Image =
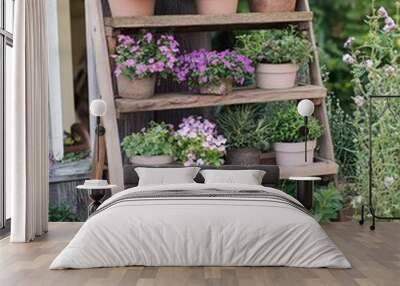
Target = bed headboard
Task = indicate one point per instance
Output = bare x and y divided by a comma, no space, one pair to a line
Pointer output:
271,178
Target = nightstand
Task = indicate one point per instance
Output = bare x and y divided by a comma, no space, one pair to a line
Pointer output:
96,190
305,189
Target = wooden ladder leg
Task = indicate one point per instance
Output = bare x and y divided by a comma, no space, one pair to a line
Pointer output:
104,79
326,143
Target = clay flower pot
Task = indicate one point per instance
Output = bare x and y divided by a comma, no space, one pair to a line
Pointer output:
243,156
292,154
151,160
136,89
222,88
130,8
217,7
264,6
276,76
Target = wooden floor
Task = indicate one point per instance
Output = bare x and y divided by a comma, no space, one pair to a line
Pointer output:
375,257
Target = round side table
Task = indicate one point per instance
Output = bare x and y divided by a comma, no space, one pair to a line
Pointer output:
305,189
96,194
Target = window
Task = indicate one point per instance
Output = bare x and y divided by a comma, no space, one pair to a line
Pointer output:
6,44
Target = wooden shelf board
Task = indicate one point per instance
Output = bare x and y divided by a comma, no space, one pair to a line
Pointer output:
208,22
240,96
319,168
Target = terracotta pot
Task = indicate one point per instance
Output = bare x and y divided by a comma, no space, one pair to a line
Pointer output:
151,160
222,88
129,8
264,6
278,76
217,7
243,156
292,154
136,89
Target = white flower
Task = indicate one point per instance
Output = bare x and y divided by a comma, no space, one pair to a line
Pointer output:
369,64
349,43
389,71
388,182
382,12
348,59
200,162
359,100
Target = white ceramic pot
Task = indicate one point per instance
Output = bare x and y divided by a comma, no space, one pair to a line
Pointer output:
293,154
151,160
136,89
276,76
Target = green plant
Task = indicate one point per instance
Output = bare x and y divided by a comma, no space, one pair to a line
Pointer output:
75,156
242,128
284,126
374,63
153,141
275,46
327,202
62,212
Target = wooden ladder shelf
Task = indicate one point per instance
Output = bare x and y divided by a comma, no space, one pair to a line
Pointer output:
104,31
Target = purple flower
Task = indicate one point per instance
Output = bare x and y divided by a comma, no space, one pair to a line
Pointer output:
148,37
129,63
369,64
348,59
349,43
117,71
359,100
382,12
390,25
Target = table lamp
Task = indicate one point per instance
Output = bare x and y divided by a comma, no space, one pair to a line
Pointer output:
305,108
98,108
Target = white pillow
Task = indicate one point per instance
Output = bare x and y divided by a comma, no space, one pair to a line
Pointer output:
247,177
166,176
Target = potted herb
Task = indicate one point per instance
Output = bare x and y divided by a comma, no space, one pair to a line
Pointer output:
278,54
245,134
140,59
289,145
328,201
197,143
217,7
213,72
272,5
151,146
130,8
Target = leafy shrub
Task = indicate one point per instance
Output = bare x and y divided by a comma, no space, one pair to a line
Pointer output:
285,124
242,128
145,55
374,63
153,141
62,212
327,202
275,46
197,143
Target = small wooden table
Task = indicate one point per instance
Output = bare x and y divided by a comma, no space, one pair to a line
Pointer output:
305,189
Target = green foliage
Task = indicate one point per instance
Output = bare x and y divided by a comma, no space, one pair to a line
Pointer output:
75,156
379,77
284,126
327,202
62,212
153,141
343,133
242,127
276,46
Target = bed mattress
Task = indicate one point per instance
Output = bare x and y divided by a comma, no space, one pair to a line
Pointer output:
201,225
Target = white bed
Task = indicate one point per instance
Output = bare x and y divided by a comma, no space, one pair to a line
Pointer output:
267,229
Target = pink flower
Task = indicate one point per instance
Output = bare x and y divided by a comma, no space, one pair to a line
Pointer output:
348,59
129,63
389,71
359,101
369,64
148,37
390,25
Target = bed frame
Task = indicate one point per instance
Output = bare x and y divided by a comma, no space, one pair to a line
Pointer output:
271,177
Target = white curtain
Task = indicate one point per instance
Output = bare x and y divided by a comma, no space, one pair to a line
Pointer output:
27,123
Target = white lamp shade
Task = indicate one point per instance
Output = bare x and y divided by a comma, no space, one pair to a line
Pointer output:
306,108
98,107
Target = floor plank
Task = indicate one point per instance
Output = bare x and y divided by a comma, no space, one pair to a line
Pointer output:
375,257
